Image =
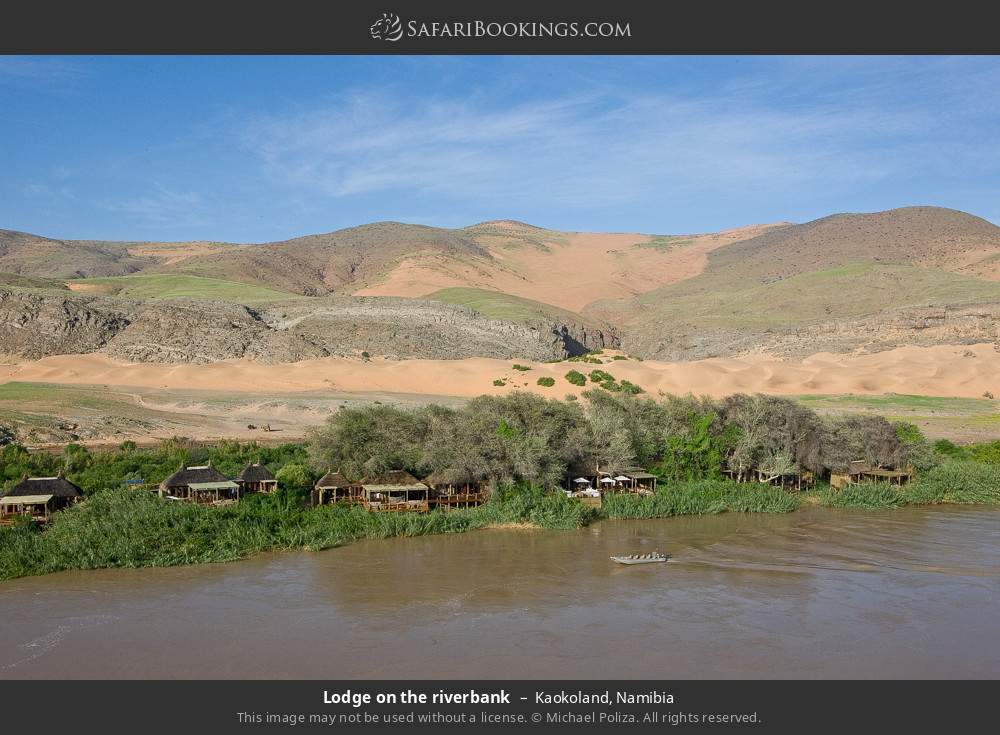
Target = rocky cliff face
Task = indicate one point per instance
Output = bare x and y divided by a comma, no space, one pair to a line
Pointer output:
35,324
921,326
429,329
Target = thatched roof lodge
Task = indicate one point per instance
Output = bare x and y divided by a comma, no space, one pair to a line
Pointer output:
450,488
256,478
395,491
333,487
39,497
200,484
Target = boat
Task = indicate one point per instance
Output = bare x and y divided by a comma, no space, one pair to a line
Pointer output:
656,556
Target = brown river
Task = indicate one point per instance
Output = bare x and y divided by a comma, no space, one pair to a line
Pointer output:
812,594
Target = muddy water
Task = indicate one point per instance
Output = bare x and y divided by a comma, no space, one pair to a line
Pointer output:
817,593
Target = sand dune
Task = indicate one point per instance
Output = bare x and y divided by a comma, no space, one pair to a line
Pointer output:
573,270
960,371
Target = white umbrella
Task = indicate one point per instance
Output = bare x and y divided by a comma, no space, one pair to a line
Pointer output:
622,478
582,479
606,479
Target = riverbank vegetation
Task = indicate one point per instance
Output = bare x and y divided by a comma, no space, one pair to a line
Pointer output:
522,446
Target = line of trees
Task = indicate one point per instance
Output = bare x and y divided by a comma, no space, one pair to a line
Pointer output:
527,438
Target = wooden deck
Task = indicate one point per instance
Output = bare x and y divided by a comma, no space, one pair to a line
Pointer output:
459,500
404,507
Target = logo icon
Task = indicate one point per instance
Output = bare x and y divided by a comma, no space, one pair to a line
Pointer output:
387,28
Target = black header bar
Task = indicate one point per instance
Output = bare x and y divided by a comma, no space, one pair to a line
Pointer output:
510,27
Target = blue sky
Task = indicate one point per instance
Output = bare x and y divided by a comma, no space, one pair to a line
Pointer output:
253,149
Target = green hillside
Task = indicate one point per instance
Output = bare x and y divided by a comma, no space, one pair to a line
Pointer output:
179,286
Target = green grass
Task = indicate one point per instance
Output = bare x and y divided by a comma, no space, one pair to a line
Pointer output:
663,243
16,281
902,402
963,419
700,497
180,286
44,396
134,528
503,306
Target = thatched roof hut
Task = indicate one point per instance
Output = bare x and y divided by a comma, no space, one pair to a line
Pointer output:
333,481
333,487
39,496
256,478
394,490
187,476
203,483
455,488
57,487
392,479
255,472
449,477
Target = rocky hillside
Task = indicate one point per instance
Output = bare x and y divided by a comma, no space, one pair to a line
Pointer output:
921,236
836,284
508,289
330,262
35,324
31,255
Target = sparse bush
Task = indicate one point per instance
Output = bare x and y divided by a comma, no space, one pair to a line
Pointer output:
500,382
600,376
576,378
546,382
522,368
988,452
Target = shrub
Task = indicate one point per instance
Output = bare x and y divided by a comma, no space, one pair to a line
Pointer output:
570,396
294,476
365,356
522,368
631,388
988,452
500,381
947,448
600,376
619,357
576,378
546,382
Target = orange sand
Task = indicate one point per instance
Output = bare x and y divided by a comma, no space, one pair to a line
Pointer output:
574,271
936,371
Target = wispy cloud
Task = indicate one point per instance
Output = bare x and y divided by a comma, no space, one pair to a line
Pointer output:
161,205
591,150
40,70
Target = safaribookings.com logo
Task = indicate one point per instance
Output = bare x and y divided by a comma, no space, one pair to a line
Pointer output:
387,28
390,28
